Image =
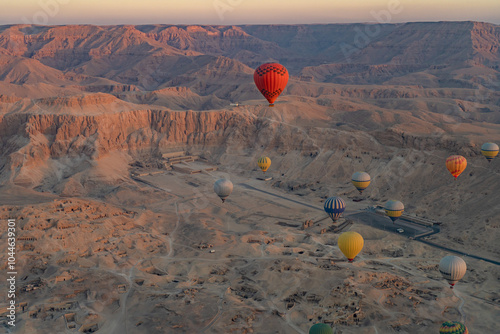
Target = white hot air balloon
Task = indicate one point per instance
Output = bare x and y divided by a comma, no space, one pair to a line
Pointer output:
223,188
452,268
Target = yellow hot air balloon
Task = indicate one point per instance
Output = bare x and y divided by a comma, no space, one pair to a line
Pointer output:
456,165
489,150
350,244
264,163
361,180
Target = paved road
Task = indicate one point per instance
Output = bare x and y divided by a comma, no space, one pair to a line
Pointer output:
137,179
279,196
451,250
384,223
411,229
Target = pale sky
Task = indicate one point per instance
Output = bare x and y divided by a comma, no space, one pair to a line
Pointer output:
226,12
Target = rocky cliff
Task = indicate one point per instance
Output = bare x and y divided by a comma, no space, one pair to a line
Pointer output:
85,91
31,141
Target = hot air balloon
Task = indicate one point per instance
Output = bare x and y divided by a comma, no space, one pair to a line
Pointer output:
394,209
456,165
489,150
271,80
334,206
453,327
223,188
452,268
264,163
361,181
320,329
350,244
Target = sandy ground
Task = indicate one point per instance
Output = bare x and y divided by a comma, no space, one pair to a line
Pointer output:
140,260
101,251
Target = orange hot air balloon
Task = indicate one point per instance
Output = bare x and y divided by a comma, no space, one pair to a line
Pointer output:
456,165
271,80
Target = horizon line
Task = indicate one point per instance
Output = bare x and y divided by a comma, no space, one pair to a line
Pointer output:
243,24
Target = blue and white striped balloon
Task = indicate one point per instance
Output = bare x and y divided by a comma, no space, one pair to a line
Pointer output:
334,206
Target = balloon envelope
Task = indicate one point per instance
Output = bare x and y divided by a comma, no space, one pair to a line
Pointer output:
264,163
453,327
361,180
271,80
489,150
456,165
350,244
223,188
334,206
394,209
320,329
452,268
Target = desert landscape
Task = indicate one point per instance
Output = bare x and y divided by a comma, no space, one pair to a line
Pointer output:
112,138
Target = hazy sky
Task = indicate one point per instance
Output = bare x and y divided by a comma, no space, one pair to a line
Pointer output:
244,11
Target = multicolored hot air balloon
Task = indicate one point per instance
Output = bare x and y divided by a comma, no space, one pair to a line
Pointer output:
456,165
394,209
453,327
452,268
271,80
361,180
320,329
264,163
489,150
334,206
350,244
223,188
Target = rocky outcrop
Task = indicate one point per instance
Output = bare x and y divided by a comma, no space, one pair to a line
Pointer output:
74,134
435,142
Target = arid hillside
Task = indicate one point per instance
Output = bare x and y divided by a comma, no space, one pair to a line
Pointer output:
111,138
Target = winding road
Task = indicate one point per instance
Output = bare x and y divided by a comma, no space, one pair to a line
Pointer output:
412,229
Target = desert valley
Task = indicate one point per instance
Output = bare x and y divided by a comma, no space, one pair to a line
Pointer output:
112,137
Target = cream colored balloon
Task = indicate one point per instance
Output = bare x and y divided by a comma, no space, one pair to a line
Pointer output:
394,209
452,268
361,180
223,188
